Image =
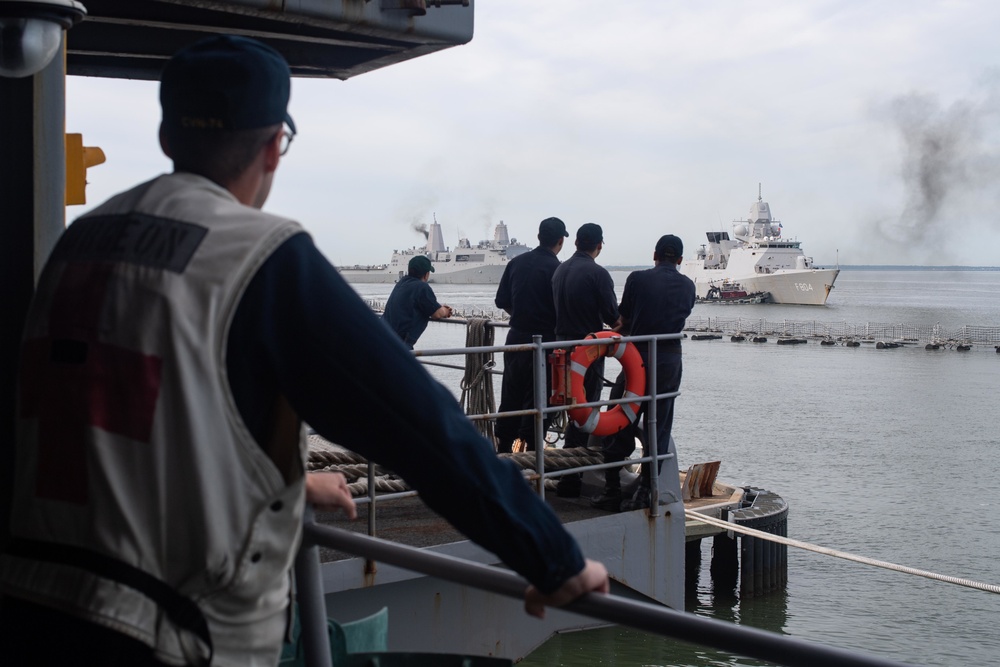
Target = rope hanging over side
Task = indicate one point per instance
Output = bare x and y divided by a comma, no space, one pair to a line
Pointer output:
735,527
477,383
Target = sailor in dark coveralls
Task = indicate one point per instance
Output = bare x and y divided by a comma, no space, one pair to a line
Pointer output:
412,302
525,291
655,301
585,301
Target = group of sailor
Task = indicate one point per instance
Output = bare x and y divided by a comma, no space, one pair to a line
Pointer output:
568,301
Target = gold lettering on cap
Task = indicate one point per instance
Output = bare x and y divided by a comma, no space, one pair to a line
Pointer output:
202,123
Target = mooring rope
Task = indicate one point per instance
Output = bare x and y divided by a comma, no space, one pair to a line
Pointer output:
735,527
477,385
323,458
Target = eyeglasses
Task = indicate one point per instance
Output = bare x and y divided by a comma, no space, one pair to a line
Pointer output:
286,140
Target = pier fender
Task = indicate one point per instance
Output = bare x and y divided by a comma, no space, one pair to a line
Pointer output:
592,420
763,564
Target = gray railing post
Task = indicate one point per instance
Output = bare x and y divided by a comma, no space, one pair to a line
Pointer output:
312,608
371,498
652,446
541,400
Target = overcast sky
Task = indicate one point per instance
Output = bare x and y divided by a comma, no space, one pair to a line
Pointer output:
873,127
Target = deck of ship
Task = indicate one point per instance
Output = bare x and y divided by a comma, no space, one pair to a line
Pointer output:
645,556
410,522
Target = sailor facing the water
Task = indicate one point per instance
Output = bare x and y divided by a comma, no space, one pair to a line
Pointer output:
525,292
655,301
412,302
584,296
161,477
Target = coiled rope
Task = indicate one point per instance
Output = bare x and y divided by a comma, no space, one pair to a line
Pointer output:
324,457
735,527
477,384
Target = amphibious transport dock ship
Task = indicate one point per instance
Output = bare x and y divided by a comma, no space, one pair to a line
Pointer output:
482,264
760,260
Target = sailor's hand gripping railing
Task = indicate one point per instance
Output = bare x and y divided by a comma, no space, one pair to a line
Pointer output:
774,648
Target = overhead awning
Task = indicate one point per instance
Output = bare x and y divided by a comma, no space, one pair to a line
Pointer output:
319,38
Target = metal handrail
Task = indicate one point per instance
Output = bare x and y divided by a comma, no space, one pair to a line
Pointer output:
541,409
750,642
647,617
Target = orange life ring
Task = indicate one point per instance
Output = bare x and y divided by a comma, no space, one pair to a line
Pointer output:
592,420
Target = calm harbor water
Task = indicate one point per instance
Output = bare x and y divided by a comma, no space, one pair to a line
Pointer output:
890,454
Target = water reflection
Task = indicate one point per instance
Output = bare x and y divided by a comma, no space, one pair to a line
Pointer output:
716,597
888,454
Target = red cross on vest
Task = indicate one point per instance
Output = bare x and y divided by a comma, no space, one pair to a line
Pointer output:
72,382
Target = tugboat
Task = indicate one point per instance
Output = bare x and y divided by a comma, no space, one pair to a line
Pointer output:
760,260
731,292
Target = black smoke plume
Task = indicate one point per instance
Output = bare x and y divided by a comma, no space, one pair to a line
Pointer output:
950,163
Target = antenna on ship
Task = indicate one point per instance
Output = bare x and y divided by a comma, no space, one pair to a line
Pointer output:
760,196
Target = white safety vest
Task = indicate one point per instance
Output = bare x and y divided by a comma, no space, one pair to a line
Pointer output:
129,440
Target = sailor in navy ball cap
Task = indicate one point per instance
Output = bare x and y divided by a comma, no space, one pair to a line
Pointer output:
412,302
655,301
551,230
525,291
669,247
223,99
589,235
584,296
216,330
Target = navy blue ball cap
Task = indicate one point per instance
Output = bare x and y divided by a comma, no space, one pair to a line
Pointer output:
226,82
552,229
669,246
421,263
590,234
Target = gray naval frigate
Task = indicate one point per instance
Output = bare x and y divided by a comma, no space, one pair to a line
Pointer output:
761,261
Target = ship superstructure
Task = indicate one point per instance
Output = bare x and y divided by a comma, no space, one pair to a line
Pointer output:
760,259
480,264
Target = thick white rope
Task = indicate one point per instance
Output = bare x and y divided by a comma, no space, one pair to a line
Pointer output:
697,516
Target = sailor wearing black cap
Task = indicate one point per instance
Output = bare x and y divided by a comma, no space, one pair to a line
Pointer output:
412,302
525,291
584,295
178,339
655,301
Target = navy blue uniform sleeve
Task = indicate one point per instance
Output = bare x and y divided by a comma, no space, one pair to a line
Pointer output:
503,298
625,308
301,330
427,303
609,302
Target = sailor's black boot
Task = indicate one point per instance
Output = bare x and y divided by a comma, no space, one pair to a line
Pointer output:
569,486
611,499
639,499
